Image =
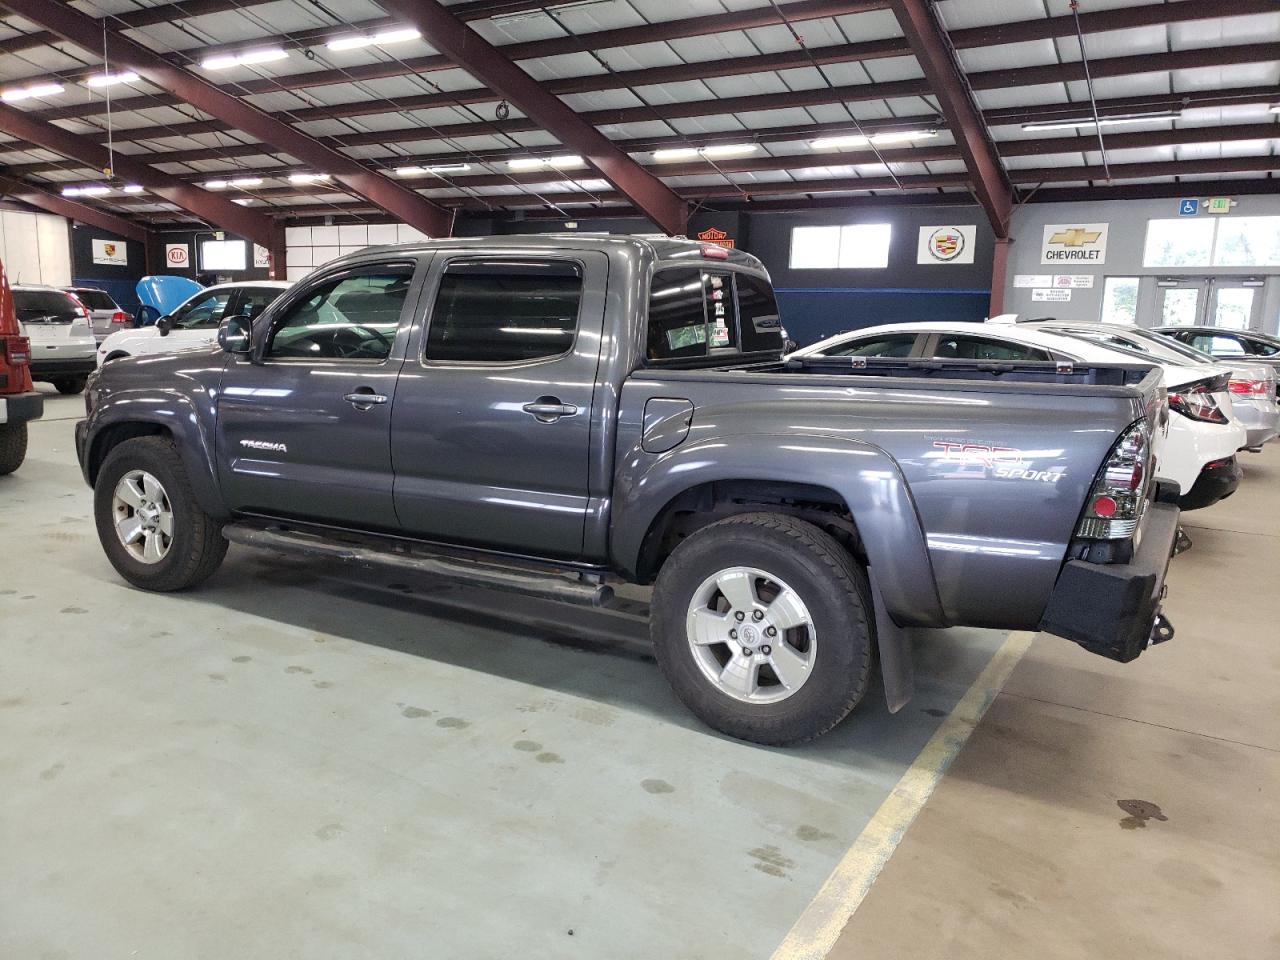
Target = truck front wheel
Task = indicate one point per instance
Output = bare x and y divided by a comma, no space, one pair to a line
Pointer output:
149,522
13,446
761,624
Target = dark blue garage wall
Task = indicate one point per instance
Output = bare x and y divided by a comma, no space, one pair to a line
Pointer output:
118,281
819,303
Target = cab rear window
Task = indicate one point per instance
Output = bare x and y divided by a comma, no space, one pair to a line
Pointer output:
706,312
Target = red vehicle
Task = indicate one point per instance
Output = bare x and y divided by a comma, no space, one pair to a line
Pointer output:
19,401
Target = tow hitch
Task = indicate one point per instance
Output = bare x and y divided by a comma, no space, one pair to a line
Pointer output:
1161,630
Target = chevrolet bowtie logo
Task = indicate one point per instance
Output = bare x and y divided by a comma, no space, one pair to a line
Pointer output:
1075,237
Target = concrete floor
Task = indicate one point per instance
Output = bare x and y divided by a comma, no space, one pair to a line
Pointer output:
300,761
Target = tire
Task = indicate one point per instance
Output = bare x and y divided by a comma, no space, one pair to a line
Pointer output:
194,548
13,446
70,385
834,593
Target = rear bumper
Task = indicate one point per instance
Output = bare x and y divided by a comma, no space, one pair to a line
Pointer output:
1217,481
1113,609
1257,436
63,367
21,407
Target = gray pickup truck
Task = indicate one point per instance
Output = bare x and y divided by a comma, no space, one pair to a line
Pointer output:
551,414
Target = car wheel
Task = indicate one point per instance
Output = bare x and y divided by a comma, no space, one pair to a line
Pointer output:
761,623
149,522
118,355
70,385
13,446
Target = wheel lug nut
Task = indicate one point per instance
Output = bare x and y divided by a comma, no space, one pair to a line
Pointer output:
770,631
733,634
739,616
766,649
746,651
757,615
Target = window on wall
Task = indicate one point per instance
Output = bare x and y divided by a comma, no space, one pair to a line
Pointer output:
1120,300
1248,242
856,246
1180,242
1217,242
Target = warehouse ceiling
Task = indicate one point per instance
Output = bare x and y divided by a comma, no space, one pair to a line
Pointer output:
725,102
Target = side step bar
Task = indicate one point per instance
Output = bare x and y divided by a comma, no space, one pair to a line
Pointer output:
559,586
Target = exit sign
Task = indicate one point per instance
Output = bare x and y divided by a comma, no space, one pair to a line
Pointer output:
1219,204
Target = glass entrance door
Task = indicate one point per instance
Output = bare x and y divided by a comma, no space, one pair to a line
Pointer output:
1208,302
1233,306
1182,302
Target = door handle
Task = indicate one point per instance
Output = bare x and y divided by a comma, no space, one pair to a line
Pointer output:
364,398
549,409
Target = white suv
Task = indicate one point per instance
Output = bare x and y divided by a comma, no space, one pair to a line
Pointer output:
62,341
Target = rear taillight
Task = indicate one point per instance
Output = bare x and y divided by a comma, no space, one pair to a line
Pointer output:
1119,495
17,351
1250,388
1196,401
119,317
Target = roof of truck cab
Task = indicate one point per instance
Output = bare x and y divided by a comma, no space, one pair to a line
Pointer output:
663,247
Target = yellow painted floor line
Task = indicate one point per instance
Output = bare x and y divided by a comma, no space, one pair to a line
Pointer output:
815,933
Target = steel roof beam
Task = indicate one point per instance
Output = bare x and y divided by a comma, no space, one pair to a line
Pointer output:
126,54
489,65
214,208
31,195
990,185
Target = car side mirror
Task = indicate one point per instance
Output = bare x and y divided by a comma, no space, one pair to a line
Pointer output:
164,325
234,334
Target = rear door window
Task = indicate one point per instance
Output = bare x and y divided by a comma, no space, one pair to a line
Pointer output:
95,299
677,315
964,347
1218,345
505,311
892,345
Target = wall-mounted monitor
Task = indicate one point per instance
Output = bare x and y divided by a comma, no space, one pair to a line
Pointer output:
222,256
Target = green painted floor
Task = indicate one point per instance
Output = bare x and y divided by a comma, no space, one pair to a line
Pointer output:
293,761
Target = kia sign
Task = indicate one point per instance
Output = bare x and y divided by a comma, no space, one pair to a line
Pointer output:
177,256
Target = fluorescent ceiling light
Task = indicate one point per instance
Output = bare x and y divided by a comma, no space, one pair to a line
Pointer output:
110,79
224,60
438,168
133,188
862,140
215,184
1276,108
89,191
377,39
243,201
307,177
245,182
716,150
1071,124
533,163
15,94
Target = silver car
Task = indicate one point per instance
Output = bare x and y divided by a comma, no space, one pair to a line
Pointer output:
105,314
1253,383
1228,346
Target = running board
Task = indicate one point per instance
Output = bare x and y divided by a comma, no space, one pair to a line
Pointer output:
562,587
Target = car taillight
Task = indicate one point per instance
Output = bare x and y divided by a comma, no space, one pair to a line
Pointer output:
1119,495
1196,401
1250,388
17,351
119,317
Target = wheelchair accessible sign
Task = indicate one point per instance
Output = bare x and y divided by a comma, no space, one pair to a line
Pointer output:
1188,208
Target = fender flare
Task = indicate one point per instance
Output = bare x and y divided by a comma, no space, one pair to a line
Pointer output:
866,478
177,416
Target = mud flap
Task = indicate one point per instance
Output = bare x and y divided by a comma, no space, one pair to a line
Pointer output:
894,645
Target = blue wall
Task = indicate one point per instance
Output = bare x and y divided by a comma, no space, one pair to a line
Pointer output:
811,314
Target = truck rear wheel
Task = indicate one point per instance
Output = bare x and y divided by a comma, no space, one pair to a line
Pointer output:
761,624
149,522
13,446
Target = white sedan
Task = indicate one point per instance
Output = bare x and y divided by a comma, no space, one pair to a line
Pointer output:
1204,437
194,324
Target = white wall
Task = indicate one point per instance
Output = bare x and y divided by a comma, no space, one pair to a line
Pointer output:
1126,241
35,247
309,247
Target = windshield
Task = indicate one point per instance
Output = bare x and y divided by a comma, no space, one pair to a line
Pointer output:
203,310
94,299
37,306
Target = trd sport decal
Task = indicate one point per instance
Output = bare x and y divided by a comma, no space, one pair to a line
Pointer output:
1006,463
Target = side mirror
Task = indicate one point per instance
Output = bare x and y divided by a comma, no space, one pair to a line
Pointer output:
164,325
234,334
